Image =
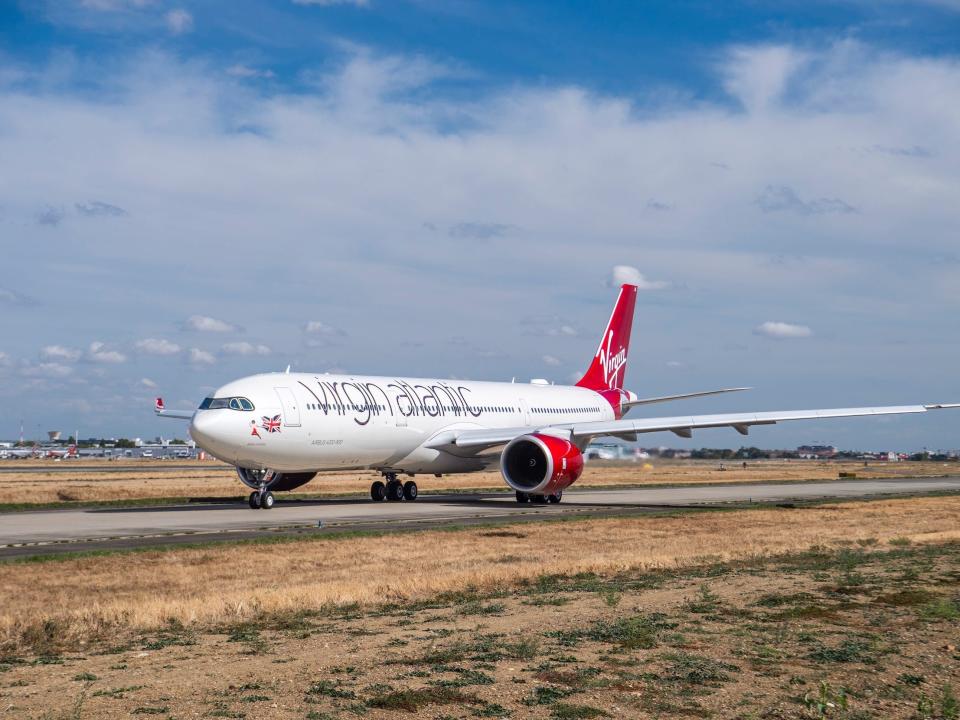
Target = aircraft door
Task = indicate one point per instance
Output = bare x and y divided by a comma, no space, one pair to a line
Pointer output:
525,411
291,408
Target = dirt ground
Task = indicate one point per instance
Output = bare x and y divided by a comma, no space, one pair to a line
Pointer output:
151,479
861,632
849,611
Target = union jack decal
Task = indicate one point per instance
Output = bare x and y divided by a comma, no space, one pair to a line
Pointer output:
271,425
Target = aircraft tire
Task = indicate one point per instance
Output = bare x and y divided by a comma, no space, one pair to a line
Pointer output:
555,498
394,491
266,500
254,500
378,491
522,497
410,490
538,499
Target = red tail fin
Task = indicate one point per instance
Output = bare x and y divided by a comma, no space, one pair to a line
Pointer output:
609,365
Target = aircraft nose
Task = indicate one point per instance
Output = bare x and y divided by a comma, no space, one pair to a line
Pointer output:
208,430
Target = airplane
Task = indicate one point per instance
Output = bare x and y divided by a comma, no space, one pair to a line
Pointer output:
59,453
280,429
22,453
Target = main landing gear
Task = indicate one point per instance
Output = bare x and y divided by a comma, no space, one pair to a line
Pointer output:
553,499
393,490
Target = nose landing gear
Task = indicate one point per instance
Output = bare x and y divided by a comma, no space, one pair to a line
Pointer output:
261,500
393,490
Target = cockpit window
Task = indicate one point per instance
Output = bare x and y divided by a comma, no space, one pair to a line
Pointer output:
234,403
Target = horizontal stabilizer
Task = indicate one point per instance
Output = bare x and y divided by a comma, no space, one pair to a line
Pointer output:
667,398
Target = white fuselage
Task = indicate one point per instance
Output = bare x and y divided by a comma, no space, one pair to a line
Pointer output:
305,422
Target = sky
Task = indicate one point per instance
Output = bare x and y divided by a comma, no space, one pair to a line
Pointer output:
191,192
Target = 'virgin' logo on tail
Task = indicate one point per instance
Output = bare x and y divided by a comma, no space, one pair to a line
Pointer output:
611,364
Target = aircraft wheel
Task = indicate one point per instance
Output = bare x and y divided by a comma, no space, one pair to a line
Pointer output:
410,490
378,491
539,499
394,491
266,500
254,500
555,498
522,497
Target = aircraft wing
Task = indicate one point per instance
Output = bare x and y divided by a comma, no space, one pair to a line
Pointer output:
683,425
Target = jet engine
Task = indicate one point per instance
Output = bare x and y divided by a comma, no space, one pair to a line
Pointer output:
539,464
273,481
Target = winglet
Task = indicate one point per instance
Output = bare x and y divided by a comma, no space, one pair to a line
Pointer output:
158,406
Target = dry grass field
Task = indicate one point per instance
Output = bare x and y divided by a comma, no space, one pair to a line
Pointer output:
839,611
62,603
150,479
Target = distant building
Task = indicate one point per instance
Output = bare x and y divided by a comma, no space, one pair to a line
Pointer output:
816,452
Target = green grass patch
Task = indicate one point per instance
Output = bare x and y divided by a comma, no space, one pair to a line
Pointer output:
941,609
414,700
327,688
565,711
638,632
690,669
848,651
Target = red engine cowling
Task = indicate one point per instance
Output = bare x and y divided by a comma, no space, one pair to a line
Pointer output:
540,464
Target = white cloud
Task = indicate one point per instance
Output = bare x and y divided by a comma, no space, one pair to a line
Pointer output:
58,353
551,360
114,5
98,353
202,323
317,327
148,383
157,346
245,348
179,21
245,71
630,275
329,3
4,360
758,76
201,357
46,370
782,330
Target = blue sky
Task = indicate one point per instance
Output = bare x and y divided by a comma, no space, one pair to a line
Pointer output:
191,192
